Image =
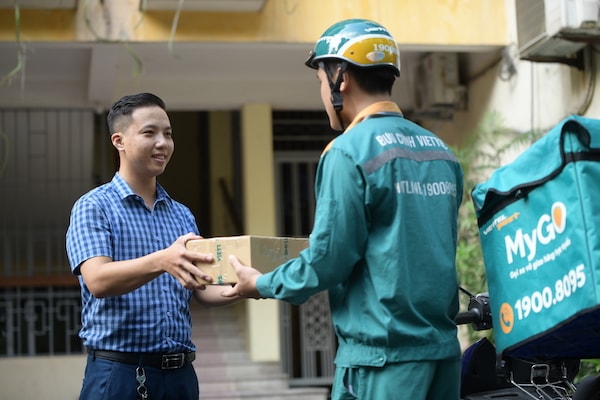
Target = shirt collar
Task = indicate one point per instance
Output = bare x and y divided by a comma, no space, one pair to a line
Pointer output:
125,190
378,107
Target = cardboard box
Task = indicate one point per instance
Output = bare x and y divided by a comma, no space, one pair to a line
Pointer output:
261,252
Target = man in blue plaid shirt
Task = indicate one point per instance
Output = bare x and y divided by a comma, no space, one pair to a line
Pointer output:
126,243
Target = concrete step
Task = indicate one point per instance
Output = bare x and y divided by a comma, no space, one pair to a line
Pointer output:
272,384
248,370
224,369
289,394
217,357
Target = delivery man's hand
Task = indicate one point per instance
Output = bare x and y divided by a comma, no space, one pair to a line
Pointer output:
246,286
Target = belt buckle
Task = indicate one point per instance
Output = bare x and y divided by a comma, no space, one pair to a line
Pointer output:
173,361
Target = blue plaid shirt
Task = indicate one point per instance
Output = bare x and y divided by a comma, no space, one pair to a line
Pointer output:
113,221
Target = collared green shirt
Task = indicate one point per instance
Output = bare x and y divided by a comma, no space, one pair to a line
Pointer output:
383,242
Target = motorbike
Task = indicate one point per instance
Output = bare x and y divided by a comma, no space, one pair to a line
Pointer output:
487,375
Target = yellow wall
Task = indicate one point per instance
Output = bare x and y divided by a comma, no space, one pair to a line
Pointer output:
262,323
411,22
41,377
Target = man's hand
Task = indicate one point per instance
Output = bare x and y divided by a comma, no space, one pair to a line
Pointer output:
179,262
246,286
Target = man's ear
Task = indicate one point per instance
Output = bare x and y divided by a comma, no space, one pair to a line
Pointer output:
117,140
345,84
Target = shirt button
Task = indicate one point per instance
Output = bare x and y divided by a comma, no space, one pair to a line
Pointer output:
168,313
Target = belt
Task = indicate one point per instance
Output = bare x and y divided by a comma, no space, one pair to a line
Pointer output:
157,360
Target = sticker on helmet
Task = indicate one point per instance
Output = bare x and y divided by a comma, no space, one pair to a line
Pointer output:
375,56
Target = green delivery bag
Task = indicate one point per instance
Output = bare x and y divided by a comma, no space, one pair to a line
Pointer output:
539,224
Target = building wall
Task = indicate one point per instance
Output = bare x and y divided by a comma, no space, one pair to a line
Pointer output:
536,97
51,378
412,22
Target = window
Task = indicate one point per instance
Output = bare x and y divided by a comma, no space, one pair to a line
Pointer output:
46,163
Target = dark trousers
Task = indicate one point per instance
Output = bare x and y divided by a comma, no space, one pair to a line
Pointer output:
110,380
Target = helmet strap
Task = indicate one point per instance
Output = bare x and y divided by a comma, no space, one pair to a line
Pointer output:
336,96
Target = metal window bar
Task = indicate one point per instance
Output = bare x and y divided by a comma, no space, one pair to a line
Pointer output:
39,321
308,340
49,164
46,160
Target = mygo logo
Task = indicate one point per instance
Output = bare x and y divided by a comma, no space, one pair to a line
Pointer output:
524,244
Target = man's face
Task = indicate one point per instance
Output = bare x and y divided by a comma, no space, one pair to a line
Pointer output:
145,142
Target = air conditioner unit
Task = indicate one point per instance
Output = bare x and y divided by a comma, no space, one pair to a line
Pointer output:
437,90
550,30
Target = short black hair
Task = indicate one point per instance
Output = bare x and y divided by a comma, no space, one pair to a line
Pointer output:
125,106
373,80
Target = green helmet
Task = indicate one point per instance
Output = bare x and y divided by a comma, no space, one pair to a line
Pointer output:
360,42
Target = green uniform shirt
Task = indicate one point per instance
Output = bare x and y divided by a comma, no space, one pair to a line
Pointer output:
383,242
